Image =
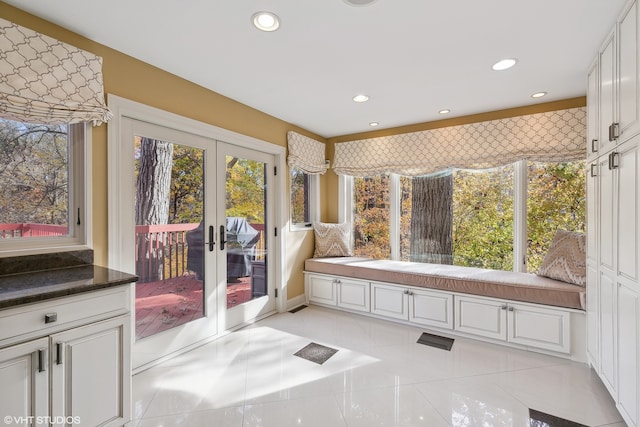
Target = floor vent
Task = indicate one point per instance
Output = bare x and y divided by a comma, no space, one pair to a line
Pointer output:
437,341
316,353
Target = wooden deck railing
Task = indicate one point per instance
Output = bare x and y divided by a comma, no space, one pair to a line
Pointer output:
162,250
28,229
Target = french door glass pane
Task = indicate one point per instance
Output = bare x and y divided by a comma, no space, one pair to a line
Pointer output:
246,242
169,235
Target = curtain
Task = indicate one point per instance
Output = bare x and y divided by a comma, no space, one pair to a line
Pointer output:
546,137
46,81
306,154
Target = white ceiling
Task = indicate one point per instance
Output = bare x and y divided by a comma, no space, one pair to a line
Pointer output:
412,57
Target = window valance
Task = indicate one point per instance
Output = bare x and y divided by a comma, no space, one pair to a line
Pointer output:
546,137
306,154
43,80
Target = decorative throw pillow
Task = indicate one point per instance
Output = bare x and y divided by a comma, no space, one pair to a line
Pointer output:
566,258
332,239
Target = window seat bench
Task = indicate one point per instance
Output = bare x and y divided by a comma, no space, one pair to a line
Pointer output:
516,309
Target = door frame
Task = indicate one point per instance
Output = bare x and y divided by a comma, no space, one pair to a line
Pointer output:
124,108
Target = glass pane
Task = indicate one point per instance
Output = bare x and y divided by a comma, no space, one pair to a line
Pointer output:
34,180
300,197
556,199
371,217
169,235
483,218
460,217
246,246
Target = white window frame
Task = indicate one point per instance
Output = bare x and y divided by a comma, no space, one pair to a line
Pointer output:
80,185
314,204
345,206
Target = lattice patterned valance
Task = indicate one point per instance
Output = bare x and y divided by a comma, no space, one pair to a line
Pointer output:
546,137
306,154
43,80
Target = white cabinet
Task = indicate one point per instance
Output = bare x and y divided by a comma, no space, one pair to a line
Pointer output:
420,306
89,379
321,289
346,293
613,215
593,89
25,381
78,368
353,294
517,323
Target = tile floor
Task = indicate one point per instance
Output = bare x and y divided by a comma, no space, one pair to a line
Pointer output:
380,376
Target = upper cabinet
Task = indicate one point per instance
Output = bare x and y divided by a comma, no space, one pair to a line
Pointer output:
614,87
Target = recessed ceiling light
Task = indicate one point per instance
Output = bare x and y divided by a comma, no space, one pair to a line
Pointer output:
538,94
265,21
445,111
504,64
360,98
374,124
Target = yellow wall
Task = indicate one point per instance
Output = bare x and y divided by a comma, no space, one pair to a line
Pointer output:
135,80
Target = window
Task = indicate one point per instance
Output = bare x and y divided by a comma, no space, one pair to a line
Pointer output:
371,211
469,218
41,186
304,190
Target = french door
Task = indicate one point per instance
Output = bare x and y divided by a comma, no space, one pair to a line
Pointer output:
245,179
196,231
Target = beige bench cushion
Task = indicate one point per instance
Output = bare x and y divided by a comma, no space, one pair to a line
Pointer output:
523,287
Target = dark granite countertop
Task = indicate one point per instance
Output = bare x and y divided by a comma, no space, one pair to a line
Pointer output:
29,286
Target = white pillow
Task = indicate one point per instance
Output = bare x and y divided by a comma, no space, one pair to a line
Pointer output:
566,258
332,240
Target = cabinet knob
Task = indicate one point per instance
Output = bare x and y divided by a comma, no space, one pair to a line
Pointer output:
511,309
594,168
594,148
50,317
504,307
406,292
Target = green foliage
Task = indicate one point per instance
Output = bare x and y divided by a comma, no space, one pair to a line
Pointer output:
299,187
187,185
246,188
483,218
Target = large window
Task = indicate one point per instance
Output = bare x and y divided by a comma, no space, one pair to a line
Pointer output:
469,218
41,186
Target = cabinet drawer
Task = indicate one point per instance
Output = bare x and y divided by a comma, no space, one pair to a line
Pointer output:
28,321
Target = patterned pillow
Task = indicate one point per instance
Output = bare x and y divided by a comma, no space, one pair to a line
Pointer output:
332,239
566,258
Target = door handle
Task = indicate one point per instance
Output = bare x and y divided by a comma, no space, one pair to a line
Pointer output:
211,239
223,235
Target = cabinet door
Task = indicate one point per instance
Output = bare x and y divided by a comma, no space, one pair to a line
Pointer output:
91,373
593,320
628,349
606,213
353,294
628,170
593,88
539,327
321,289
607,76
389,301
628,85
608,331
431,308
481,316
24,379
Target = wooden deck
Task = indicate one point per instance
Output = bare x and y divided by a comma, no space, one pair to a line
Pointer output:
166,304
